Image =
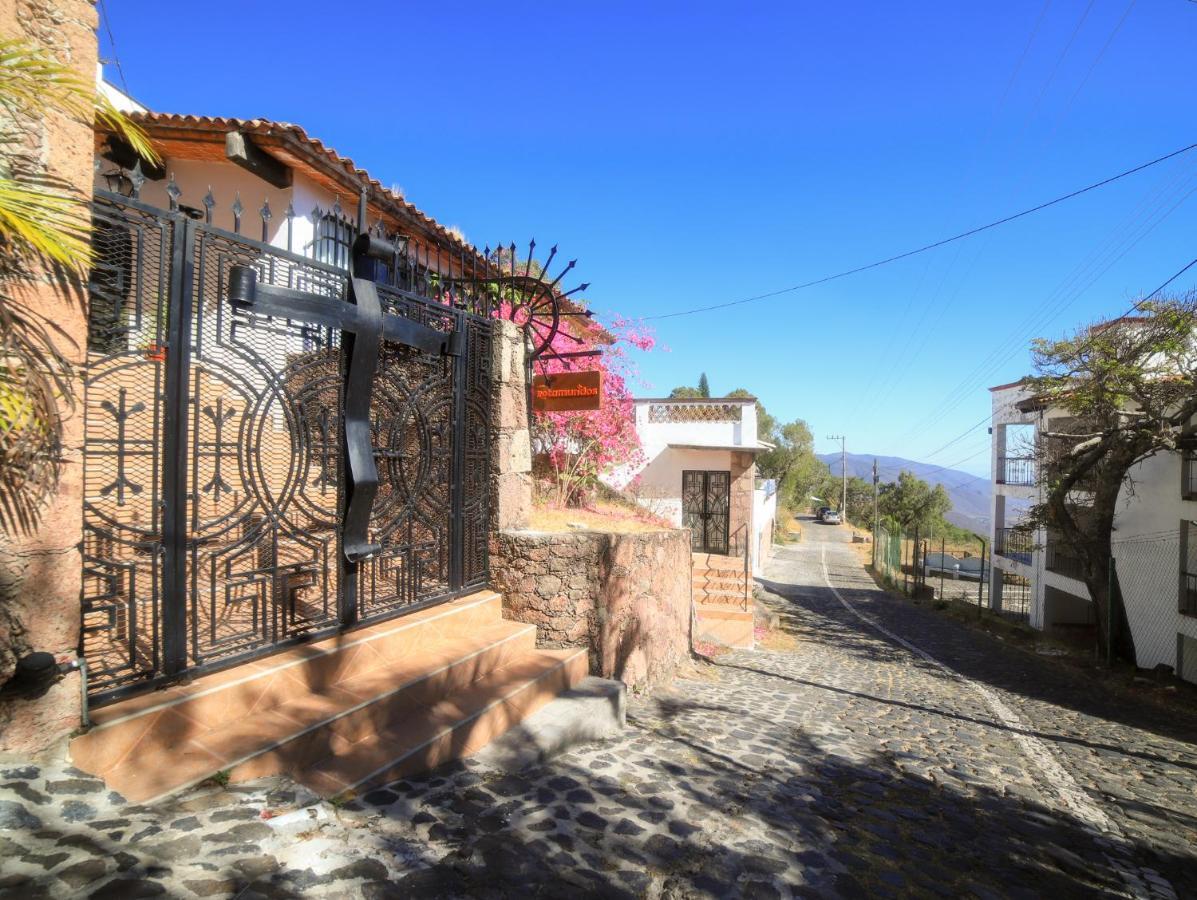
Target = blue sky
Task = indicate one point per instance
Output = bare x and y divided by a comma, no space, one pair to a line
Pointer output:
690,154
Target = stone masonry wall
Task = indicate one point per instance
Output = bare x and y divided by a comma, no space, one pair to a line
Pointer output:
40,569
625,597
743,483
511,445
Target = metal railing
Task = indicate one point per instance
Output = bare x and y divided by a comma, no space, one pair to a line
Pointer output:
1188,595
1062,562
1014,543
1016,470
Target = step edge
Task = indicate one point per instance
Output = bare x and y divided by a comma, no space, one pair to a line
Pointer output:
167,704
308,729
560,664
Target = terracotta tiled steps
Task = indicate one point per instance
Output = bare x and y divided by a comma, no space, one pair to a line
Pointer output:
455,726
720,581
297,710
729,627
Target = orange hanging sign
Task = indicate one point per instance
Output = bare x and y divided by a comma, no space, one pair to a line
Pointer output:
567,392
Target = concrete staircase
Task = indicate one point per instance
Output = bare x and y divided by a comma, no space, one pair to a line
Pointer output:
723,600
341,714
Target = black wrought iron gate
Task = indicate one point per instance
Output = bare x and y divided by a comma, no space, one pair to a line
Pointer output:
706,510
218,499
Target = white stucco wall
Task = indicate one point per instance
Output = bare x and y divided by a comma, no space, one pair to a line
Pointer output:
764,512
229,181
659,485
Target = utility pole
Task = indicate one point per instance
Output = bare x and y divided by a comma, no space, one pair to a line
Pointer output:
876,520
844,464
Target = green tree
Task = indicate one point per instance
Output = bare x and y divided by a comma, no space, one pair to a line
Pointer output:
1127,390
704,386
860,502
912,503
684,392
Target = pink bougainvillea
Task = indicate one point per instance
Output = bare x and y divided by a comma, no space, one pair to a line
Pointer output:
579,447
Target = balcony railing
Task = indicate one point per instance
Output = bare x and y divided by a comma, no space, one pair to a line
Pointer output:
1014,543
1062,562
1188,595
1018,470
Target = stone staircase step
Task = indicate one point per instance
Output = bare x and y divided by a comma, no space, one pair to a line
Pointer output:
729,627
287,711
457,725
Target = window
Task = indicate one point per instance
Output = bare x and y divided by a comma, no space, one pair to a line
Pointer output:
1188,460
334,237
1188,568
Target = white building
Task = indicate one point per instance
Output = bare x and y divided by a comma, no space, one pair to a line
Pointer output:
1154,541
699,471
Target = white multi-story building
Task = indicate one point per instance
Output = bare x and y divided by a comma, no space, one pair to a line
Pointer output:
1154,541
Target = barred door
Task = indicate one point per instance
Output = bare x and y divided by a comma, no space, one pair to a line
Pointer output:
214,462
706,507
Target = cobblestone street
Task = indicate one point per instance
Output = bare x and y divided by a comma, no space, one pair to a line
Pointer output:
877,750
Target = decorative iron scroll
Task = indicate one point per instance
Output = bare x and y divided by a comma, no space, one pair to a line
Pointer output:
534,301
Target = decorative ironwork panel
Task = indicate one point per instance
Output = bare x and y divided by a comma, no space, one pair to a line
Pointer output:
122,460
693,497
718,510
663,413
475,435
706,508
413,426
263,451
215,464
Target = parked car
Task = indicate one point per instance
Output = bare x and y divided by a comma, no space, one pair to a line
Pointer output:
821,512
831,517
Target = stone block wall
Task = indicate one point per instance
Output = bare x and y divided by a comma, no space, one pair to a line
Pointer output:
625,597
511,444
739,519
40,567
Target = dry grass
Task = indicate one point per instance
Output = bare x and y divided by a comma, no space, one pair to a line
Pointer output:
602,516
779,640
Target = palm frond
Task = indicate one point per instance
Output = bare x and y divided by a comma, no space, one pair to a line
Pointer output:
43,222
32,81
107,114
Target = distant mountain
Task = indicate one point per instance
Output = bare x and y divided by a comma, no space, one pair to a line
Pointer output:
970,495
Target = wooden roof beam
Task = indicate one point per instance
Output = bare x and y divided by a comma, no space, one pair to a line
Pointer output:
241,149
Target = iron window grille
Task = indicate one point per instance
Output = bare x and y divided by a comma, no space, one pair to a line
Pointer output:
334,237
1189,474
1063,562
1188,571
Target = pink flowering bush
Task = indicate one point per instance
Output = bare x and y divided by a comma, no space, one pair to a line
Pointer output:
578,447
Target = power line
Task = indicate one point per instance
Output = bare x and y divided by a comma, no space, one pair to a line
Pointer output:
1060,299
893,381
965,187
112,43
932,246
962,436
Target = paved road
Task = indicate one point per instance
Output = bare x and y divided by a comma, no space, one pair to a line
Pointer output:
844,761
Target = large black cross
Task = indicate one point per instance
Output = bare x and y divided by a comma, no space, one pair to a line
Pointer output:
365,327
